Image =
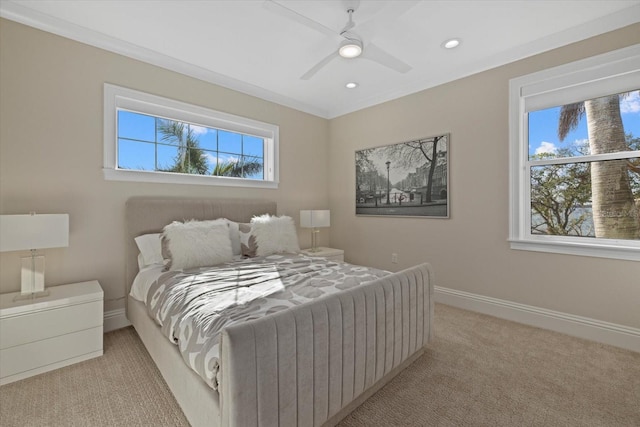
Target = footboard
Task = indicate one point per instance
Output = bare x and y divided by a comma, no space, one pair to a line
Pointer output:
303,366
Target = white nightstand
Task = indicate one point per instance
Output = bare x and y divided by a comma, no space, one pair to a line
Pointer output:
46,333
329,253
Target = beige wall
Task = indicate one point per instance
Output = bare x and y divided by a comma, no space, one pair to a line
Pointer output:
51,94
51,160
469,251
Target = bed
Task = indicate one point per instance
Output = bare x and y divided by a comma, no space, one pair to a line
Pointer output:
309,365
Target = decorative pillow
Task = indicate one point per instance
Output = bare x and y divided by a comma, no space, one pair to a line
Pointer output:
234,234
196,244
274,234
248,244
164,241
150,248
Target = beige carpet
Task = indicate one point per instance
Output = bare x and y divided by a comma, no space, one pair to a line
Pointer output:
479,371
121,388
484,371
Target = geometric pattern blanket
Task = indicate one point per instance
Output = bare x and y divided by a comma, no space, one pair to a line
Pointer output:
193,306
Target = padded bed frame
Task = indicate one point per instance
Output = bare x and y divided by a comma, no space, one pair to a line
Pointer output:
347,345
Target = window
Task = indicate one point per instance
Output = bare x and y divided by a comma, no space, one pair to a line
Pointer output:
575,158
153,139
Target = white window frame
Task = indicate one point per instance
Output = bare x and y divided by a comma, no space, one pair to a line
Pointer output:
117,98
613,72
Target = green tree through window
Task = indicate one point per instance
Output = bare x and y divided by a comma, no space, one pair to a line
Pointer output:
613,206
574,158
190,158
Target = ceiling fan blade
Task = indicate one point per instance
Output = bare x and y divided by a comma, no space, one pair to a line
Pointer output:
318,66
295,16
374,53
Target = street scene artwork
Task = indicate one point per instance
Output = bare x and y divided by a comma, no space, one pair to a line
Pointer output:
406,179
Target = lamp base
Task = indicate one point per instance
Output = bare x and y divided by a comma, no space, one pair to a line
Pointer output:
32,274
34,295
314,240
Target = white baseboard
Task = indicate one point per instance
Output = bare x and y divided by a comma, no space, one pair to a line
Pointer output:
582,327
115,319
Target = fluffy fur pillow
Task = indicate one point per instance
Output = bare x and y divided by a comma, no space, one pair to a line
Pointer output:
272,235
196,244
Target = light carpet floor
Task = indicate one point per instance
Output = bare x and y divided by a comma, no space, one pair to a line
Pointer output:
478,371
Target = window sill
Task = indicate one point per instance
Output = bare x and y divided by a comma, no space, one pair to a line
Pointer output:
177,178
628,253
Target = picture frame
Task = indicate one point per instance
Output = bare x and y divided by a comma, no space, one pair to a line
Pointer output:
403,179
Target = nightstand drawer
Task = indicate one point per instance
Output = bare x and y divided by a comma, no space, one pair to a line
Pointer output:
39,334
70,347
35,326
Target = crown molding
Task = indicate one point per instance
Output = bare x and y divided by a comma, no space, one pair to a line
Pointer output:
614,21
27,16
11,10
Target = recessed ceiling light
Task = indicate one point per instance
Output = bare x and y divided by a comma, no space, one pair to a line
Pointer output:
351,85
451,43
350,48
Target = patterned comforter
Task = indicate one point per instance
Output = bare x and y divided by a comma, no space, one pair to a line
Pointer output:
193,306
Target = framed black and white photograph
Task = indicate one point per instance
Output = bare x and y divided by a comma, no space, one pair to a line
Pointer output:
405,179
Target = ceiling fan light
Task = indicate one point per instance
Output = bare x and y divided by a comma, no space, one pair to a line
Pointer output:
350,48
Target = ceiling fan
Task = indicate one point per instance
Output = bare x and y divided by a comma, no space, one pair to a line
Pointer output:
351,44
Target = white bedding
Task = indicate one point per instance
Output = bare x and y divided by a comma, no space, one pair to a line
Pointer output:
193,306
145,277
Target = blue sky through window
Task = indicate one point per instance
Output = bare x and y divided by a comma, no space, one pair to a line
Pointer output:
543,126
141,147
552,181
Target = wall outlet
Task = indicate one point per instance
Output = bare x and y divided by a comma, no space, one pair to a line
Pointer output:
394,258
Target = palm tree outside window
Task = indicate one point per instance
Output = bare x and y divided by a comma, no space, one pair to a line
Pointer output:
574,157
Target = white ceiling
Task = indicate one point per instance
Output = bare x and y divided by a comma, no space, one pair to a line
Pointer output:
246,46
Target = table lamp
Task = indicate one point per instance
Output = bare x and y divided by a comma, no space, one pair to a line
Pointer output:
32,232
315,219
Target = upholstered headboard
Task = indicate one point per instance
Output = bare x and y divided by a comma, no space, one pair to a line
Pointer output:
150,214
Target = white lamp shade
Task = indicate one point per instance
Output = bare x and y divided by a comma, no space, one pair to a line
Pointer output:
25,232
315,219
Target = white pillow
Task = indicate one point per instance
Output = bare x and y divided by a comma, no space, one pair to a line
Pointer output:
274,234
234,234
141,263
143,281
197,243
150,248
